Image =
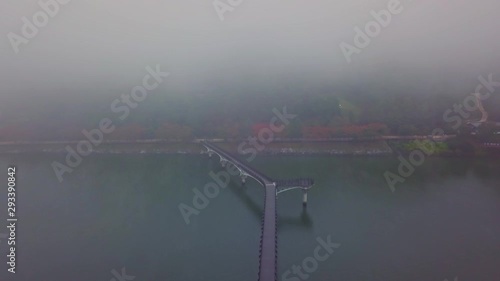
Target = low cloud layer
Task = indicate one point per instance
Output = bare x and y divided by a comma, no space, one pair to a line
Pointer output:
99,48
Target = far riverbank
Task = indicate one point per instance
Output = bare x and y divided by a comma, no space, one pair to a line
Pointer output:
376,146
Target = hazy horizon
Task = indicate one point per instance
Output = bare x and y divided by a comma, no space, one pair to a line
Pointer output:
97,48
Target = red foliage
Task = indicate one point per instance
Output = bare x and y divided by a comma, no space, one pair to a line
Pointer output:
256,128
15,133
127,132
348,130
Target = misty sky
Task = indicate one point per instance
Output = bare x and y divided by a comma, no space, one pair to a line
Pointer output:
102,47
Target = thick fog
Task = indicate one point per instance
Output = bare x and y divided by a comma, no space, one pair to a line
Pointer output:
102,47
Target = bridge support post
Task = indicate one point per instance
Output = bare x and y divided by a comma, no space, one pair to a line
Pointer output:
223,163
304,199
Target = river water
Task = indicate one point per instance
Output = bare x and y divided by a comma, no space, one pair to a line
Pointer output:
121,212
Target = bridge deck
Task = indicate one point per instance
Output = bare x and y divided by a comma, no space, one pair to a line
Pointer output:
263,179
268,270
305,183
268,258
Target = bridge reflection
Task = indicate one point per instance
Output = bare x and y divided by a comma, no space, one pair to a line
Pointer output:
269,239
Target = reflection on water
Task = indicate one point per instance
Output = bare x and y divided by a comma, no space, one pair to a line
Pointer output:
122,211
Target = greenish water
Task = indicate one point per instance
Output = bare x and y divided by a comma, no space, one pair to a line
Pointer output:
121,211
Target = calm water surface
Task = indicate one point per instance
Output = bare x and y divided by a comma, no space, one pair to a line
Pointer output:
121,211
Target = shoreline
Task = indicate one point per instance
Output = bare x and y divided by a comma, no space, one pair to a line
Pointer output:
178,147
376,146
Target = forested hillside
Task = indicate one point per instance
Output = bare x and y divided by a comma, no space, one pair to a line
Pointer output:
360,110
